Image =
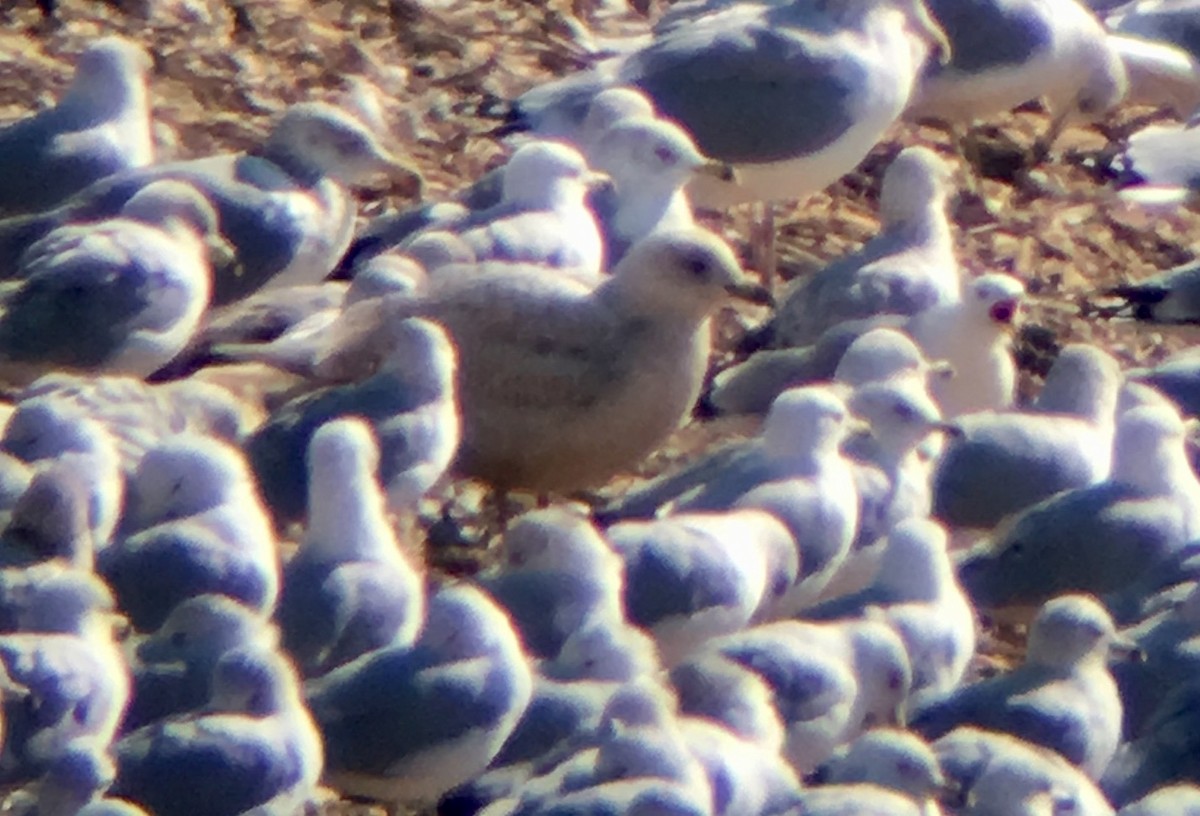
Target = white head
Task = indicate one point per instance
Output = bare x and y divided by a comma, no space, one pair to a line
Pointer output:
255,682
172,202
900,411
462,623
109,76
187,475
1069,631
996,298
541,174
347,518
201,629
1084,381
883,670
322,140
915,565
809,421
609,651
891,758
645,151
558,539
915,186
878,355
609,107
45,428
1149,449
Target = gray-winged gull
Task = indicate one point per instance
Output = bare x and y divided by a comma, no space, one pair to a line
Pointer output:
1165,751
793,95
410,402
563,386
1159,168
349,588
1159,73
743,777
119,296
194,524
436,712
1178,377
284,208
1099,538
100,126
41,430
252,749
909,266
173,666
967,752
693,576
1007,52
1174,21
559,575
1172,296
65,678
1062,696
917,594
830,680
1005,461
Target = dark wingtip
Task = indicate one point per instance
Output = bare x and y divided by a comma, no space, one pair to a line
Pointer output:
1134,293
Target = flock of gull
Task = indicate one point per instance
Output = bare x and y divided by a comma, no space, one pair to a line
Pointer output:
211,605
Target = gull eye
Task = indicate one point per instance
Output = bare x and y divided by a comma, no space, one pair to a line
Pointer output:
665,155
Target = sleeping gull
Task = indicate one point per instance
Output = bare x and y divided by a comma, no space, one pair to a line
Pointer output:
563,386
173,666
194,524
1177,377
693,576
967,753
284,208
100,126
41,430
1165,750
890,758
1062,696
1099,538
437,712
132,289
50,521
410,402
908,267
721,690
254,745
65,677
348,589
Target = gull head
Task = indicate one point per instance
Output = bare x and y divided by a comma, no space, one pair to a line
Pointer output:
900,412
878,355
1071,630
608,107
203,628
640,150
806,421
256,682
916,182
686,272
185,476
171,202
997,297
542,173
328,141
109,75
891,758
346,450
462,623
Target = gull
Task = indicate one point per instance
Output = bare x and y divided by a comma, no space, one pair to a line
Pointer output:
100,126
436,712
1004,461
1004,54
1178,798
1162,753
40,431
967,753
562,386
50,521
693,576
410,402
1178,377
908,267
1172,296
64,675
890,758
348,589
1158,169
173,666
916,593
194,524
713,687
253,748
1061,697
1097,538
132,289
284,208
792,95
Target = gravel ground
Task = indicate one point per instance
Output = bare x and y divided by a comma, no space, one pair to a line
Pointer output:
223,70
